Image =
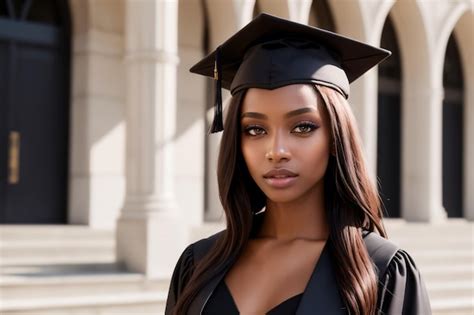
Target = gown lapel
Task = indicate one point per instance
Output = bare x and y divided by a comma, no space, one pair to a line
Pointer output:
321,295
197,305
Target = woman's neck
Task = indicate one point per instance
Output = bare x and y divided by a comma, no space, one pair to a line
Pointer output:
304,218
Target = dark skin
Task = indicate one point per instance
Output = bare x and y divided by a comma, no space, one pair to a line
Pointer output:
277,264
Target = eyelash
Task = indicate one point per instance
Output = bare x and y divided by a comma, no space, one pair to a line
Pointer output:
251,127
305,124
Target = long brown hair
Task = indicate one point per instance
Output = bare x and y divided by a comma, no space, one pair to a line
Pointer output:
352,203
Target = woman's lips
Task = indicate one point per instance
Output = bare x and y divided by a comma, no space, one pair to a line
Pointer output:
280,177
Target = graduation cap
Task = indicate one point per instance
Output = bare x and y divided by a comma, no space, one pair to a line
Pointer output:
271,52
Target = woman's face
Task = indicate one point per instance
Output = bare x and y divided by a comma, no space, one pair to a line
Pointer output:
285,131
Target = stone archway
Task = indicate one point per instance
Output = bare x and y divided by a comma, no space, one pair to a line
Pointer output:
364,21
421,122
298,11
321,16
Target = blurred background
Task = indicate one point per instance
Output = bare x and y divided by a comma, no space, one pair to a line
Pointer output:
107,171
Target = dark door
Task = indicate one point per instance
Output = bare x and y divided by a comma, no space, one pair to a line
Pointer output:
34,111
453,128
388,152
389,120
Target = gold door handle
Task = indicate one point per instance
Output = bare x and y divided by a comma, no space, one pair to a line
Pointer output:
14,158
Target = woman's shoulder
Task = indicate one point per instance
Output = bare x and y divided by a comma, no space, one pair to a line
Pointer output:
388,256
185,267
381,250
196,250
401,285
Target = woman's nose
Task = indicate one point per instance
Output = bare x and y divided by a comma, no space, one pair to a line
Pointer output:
277,148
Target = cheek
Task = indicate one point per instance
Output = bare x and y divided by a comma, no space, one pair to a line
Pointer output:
315,157
251,154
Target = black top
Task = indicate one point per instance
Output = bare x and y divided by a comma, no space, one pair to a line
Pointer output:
401,286
222,302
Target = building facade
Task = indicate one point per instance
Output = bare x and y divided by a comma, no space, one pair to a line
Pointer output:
102,124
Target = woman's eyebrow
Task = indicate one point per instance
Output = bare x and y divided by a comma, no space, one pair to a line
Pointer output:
295,112
299,111
254,115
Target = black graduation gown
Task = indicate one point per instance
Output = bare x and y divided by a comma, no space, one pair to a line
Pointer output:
401,288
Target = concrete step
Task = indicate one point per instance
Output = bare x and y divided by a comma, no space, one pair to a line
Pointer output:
397,223
108,304
55,244
72,269
432,274
450,289
59,259
79,289
452,306
40,247
434,241
453,312
73,280
20,232
424,235
442,257
424,232
48,243
435,244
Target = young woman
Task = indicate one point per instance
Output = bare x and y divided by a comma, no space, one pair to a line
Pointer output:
304,224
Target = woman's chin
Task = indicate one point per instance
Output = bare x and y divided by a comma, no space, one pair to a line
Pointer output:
281,196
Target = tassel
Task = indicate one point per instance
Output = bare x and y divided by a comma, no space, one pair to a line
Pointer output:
217,124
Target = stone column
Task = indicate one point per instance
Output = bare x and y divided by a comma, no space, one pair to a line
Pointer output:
149,231
422,109
466,49
225,18
97,114
297,11
421,158
190,122
351,21
469,142
363,101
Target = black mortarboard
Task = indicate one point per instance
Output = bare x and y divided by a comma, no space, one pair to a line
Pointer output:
272,52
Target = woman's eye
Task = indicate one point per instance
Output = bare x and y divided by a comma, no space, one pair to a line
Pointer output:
305,127
254,130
